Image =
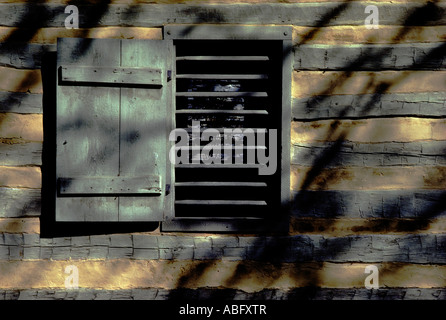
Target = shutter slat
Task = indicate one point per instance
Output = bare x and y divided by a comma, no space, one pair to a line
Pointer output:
219,166
219,111
223,147
217,218
222,202
222,58
222,94
222,130
220,184
110,185
111,75
223,76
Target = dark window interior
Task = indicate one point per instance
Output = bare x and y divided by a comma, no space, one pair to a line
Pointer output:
228,84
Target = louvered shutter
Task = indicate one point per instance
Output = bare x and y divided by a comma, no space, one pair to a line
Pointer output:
231,77
223,85
114,100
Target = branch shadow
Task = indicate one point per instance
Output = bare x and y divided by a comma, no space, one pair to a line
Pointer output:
275,250
268,249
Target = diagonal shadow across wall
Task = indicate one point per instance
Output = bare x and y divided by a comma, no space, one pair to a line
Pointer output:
270,249
276,250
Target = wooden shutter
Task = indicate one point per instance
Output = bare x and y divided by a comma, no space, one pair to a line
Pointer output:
226,85
114,116
229,77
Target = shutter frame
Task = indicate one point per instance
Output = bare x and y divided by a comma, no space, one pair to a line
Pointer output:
113,133
279,221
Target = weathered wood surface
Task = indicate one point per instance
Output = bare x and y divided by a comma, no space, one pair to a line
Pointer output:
20,177
371,130
18,202
110,185
48,36
20,80
25,127
153,15
304,293
345,154
87,131
336,106
113,131
214,32
317,177
128,76
368,248
314,83
369,204
370,105
418,56
146,121
423,204
341,227
23,55
386,34
20,154
335,35
20,102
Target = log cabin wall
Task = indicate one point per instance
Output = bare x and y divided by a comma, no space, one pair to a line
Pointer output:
368,160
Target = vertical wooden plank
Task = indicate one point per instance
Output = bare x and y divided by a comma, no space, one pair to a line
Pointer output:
169,206
287,63
87,129
144,128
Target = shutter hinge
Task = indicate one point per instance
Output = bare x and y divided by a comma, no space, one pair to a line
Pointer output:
169,75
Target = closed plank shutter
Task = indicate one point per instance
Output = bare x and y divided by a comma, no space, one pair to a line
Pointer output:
114,116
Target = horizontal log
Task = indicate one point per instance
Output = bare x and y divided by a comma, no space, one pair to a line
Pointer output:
370,105
313,83
18,202
422,204
19,80
20,102
302,293
335,35
50,35
369,130
20,177
246,276
415,247
342,227
20,154
305,83
197,1
150,15
386,34
415,56
27,127
344,154
368,178
23,55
